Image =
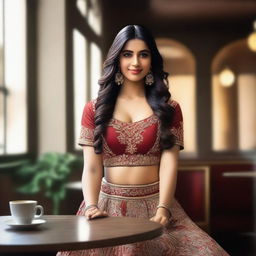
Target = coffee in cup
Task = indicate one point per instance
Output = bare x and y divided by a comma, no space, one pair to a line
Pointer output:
24,211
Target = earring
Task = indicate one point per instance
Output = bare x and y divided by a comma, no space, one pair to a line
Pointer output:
119,78
149,80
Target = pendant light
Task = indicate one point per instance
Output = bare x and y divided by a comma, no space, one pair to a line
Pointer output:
227,77
252,38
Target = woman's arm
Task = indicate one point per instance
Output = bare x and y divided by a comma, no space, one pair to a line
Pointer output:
91,181
168,179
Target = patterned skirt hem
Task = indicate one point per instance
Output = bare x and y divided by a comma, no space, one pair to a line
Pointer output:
181,237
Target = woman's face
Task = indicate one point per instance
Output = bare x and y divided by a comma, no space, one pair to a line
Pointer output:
135,60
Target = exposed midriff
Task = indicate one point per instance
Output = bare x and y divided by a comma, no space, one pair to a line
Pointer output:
132,174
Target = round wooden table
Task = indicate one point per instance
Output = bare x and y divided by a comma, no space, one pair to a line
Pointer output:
70,232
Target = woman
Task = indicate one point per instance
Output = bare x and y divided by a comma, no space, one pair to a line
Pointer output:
135,131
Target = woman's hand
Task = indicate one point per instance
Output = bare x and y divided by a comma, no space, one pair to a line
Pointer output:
94,212
162,217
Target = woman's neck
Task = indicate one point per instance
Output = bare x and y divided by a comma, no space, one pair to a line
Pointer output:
132,90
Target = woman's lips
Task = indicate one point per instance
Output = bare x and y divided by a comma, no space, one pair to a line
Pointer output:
135,71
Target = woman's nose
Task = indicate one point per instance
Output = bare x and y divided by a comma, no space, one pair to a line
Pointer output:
135,61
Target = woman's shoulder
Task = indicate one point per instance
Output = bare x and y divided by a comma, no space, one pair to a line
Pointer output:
173,103
176,106
90,105
178,117
88,114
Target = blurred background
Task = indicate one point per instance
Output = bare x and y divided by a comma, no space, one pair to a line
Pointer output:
51,55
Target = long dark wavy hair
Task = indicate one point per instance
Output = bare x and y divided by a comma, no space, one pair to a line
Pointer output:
157,94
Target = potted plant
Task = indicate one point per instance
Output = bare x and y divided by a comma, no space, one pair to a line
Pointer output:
49,174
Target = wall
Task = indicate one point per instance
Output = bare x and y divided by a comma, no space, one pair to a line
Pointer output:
51,76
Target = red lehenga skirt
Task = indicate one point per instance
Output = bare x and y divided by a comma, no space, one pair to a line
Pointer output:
182,237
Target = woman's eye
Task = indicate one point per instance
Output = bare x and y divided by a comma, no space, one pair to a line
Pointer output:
144,55
127,54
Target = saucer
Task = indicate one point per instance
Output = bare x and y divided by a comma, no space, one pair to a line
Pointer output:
35,223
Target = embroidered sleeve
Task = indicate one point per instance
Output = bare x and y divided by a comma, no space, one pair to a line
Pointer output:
177,125
87,125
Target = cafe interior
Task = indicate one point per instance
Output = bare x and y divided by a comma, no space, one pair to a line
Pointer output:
50,62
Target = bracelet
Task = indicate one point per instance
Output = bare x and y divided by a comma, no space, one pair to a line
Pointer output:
91,206
166,208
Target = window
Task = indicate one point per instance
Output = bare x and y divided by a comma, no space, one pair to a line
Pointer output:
90,10
13,80
95,69
79,78
85,31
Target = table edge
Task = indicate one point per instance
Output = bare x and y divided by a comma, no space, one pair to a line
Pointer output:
81,245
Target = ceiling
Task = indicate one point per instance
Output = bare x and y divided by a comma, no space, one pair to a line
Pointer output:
207,9
186,10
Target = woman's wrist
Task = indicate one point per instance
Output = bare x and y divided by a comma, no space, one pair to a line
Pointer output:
90,207
167,209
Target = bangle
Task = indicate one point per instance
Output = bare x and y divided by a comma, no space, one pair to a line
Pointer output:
91,206
165,207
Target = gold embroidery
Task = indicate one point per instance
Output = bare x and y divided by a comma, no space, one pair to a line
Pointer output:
178,133
130,134
131,160
131,191
86,136
107,151
93,105
156,146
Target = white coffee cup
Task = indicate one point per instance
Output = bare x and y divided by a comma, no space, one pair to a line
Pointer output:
24,211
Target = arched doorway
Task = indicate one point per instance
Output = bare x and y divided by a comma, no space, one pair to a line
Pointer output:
234,105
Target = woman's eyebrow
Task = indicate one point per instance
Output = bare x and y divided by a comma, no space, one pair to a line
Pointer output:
145,50
127,51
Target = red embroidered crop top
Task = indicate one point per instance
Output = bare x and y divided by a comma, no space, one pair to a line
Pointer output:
130,144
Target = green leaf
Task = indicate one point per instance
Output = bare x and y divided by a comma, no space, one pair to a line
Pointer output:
49,174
